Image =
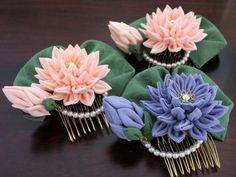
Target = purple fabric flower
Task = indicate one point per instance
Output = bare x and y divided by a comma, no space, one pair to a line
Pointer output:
184,105
121,114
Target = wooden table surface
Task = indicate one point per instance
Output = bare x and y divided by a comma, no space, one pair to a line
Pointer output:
32,149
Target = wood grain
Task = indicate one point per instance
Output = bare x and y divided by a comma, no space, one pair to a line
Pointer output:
31,149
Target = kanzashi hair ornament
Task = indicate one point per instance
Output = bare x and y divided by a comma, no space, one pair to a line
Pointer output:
175,118
71,81
169,38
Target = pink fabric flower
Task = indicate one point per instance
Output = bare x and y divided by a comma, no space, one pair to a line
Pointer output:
124,35
28,99
173,30
72,75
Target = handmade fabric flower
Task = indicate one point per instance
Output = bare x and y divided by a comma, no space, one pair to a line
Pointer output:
122,114
173,30
28,99
170,38
124,35
185,105
72,75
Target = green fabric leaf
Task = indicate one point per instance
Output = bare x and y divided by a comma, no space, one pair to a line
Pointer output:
210,46
136,89
121,71
136,50
49,104
137,23
25,76
133,134
148,123
220,96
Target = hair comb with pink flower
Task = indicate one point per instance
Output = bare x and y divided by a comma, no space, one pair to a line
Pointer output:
175,116
169,38
71,81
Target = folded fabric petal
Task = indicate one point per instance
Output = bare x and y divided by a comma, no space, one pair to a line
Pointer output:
186,104
166,118
166,106
72,75
86,98
178,112
28,99
198,134
154,108
176,136
118,130
208,107
195,114
101,71
122,115
219,110
138,110
206,122
111,113
183,125
173,30
124,35
101,87
159,129
152,91
117,102
216,129
130,118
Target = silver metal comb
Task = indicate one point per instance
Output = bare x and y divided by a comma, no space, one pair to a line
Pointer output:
85,116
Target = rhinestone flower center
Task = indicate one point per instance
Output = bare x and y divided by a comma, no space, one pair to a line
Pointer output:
186,97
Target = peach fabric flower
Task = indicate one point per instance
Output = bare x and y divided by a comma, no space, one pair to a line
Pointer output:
28,99
172,30
72,75
124,35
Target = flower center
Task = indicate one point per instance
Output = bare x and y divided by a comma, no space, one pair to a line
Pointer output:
76,63
186,97
171,20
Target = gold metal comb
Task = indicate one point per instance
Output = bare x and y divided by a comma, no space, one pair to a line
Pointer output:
85,116
187,156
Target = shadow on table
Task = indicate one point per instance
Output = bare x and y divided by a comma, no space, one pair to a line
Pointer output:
126,154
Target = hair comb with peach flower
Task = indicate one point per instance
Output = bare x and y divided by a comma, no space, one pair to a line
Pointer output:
176,116
71,81
169,38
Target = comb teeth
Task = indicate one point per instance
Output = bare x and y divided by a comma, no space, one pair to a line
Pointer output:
187,156
79,115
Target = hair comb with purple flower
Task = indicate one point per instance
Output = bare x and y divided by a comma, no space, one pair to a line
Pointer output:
175,116
169,38
71,81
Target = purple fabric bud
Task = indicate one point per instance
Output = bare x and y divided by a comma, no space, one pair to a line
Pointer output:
184,105
121,114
